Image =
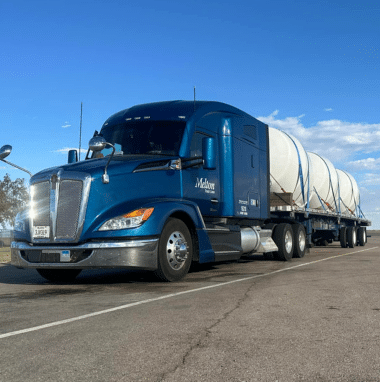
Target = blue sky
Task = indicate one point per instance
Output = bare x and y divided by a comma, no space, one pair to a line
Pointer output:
308,67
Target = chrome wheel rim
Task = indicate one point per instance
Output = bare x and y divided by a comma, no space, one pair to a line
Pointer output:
176,250
288,242
302,240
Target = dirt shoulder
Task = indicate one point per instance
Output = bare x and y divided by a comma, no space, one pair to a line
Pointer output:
5,255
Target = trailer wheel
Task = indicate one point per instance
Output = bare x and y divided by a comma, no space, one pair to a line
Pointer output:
59,275
283,237
362,236
175,251
351,236
299,235
343,237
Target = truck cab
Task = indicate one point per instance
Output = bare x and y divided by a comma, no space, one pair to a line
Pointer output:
165,184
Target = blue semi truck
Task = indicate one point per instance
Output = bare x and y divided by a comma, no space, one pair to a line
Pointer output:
164,185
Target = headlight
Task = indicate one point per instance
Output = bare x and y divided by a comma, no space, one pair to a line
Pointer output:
131,220
20,221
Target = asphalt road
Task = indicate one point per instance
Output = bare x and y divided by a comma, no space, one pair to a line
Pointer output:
311,319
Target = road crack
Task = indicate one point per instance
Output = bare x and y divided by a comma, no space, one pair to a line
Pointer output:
204,335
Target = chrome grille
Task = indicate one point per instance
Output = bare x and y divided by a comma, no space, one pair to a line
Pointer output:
69,201
59,201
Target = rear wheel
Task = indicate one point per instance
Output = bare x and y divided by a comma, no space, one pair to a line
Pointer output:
362,236
175,251
343,237
299,235
59,275
283,237
351,236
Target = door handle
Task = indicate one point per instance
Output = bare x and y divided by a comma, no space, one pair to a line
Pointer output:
214,201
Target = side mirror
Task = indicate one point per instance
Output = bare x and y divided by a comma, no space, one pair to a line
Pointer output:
97,143
209,153
5,151
73,156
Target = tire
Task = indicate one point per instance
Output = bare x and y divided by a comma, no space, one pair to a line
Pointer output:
343,237
59,275
283,237
362,236
175,251
351,236
299,235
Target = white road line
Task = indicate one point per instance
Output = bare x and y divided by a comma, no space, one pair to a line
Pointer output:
62,322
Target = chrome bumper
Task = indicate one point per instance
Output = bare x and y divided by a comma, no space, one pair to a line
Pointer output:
127,254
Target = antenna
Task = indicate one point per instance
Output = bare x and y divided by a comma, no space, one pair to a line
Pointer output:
80,127
194,98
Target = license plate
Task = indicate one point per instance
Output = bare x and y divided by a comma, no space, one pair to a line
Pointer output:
41,232
64,255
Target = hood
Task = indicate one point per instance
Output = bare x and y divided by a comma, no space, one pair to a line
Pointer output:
95,167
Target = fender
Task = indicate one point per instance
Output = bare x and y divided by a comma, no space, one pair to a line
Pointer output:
163,210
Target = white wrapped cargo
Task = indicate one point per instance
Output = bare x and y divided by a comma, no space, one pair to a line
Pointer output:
289,166
349,193
309,176
323,183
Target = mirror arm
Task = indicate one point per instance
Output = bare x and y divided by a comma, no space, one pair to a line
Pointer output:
14,165
105,177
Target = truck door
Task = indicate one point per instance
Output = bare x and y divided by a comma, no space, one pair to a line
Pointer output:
199,185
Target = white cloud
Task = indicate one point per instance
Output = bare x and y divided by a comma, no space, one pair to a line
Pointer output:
328,109
65,150
371,179
66,125
365,164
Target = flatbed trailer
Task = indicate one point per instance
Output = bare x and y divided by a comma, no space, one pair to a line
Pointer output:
164,185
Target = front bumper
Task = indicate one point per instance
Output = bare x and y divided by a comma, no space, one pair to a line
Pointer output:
124,254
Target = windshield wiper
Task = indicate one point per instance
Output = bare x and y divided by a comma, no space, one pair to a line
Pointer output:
153,152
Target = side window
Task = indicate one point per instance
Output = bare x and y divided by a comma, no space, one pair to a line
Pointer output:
196,144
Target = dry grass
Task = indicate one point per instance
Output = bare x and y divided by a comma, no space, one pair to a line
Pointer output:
5,255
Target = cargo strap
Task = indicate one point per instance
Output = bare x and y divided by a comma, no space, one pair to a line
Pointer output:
330,183
361,212
353,213
324,201
301,175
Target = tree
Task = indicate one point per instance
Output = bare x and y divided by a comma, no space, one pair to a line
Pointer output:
13,198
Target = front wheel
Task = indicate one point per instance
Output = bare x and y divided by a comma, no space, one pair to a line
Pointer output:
175,251
59,275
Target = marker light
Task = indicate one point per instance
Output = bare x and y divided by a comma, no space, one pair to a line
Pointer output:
131,220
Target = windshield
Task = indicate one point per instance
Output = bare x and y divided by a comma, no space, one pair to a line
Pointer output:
144,137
